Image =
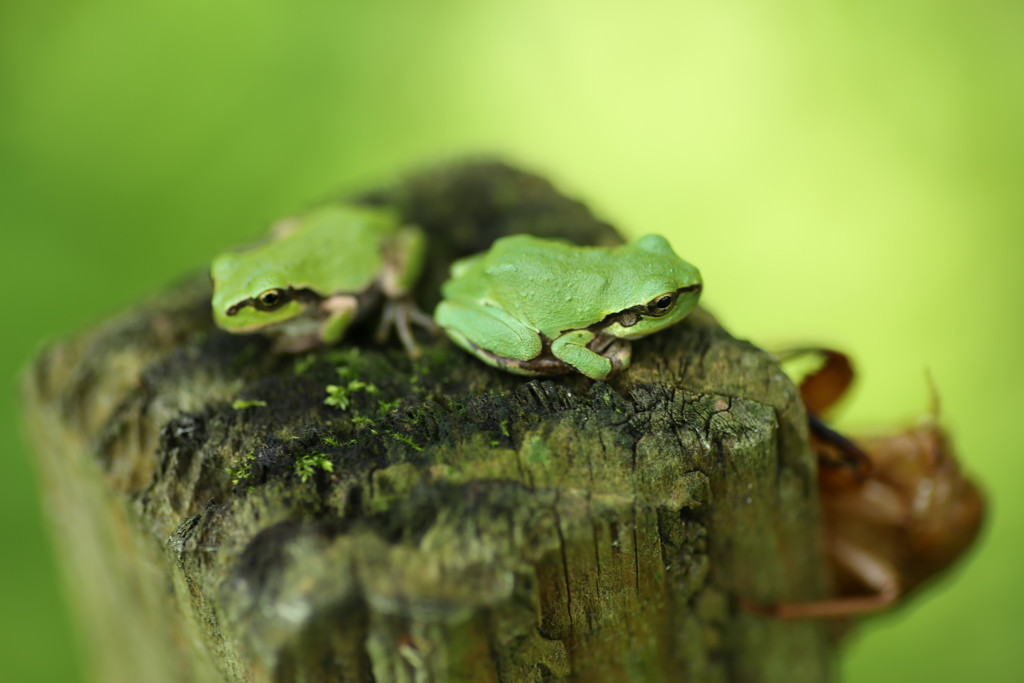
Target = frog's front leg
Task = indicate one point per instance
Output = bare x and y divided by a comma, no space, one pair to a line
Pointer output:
322,326
404,256
341,310
618,351
492,335
575,349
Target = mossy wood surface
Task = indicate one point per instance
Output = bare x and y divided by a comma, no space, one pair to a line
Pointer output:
219,521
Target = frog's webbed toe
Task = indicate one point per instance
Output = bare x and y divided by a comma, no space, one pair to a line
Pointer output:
401,313
619,352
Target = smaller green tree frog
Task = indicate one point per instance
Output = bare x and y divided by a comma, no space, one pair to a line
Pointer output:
318,273
535,306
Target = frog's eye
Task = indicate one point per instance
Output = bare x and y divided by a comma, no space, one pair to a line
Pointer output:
271,299
662,304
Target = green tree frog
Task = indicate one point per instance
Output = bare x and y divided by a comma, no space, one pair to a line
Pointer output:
536,306
319,272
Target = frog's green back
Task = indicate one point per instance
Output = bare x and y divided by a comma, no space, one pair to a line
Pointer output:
553,285
333,249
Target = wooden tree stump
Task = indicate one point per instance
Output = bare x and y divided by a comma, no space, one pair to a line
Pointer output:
453,523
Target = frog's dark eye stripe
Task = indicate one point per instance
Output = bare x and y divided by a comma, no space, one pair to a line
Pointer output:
661,305
655,308
272,299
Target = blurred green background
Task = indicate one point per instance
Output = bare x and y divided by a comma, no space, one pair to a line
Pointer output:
842,172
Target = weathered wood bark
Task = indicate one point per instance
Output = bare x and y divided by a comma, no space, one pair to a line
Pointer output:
468,525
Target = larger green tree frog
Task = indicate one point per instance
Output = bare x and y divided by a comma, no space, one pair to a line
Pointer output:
536,306
319,272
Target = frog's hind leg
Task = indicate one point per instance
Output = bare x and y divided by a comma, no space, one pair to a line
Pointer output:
498,338
404,256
